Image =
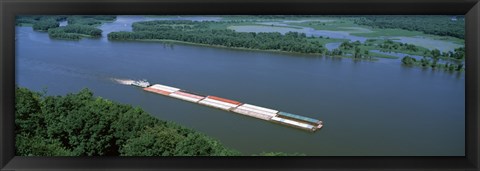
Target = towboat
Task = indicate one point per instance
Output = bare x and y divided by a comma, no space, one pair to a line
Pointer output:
141,83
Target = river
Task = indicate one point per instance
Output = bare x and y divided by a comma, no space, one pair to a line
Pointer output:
368,108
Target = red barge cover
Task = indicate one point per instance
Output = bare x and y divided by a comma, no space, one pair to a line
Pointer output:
224,100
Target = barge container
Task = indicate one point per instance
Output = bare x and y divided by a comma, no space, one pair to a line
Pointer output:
298,117
260,108
215,105
165,88
257,111
252,113
189,95
166,93
224,100
183,97
294,123
219,102
194,93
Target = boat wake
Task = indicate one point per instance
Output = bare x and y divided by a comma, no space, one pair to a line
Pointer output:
122,81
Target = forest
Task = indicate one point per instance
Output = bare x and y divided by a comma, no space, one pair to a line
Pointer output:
198,32
79,26
437,25
74,32
83,125
79,124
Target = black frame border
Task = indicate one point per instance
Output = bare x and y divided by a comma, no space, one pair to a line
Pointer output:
10,8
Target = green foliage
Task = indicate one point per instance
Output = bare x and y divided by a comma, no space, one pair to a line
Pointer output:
196,144
425,62
27,145
436,24
74,31
78,25
349,45
89,20
407,60
335,52
44,21
458,54
27,111
459,67
391,46
156,141
83,125
435,53
199,32
83,21
357,52
44,25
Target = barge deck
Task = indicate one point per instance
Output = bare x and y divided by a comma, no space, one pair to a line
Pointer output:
272,115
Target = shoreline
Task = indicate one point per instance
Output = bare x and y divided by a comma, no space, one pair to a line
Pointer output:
245,49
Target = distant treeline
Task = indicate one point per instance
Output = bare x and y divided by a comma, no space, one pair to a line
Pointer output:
430,24
78,25
454,60
198,32
80,124
432,63
74,32
457,54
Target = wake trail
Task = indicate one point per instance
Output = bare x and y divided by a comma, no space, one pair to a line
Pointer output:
122,81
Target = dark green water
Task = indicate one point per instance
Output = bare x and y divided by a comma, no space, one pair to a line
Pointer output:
368,108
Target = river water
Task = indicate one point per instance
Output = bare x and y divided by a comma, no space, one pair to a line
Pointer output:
368,108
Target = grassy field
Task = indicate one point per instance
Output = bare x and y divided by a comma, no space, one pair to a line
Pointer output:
427,41
324,41
262,28
335,25
388,32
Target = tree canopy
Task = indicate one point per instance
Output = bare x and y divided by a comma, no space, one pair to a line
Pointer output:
199,32
83,125
79,26
79,124
441,25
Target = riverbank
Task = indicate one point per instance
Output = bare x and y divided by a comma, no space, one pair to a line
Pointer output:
259,50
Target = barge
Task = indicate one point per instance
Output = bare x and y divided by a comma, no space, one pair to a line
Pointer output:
258,112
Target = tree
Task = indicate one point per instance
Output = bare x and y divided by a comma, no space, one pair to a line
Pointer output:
366,53
435,53
357,52
196,144
434,63
44,25
156,141
407,60
27,111
197,32
459,53
424,62
459,67
28,145
79,124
